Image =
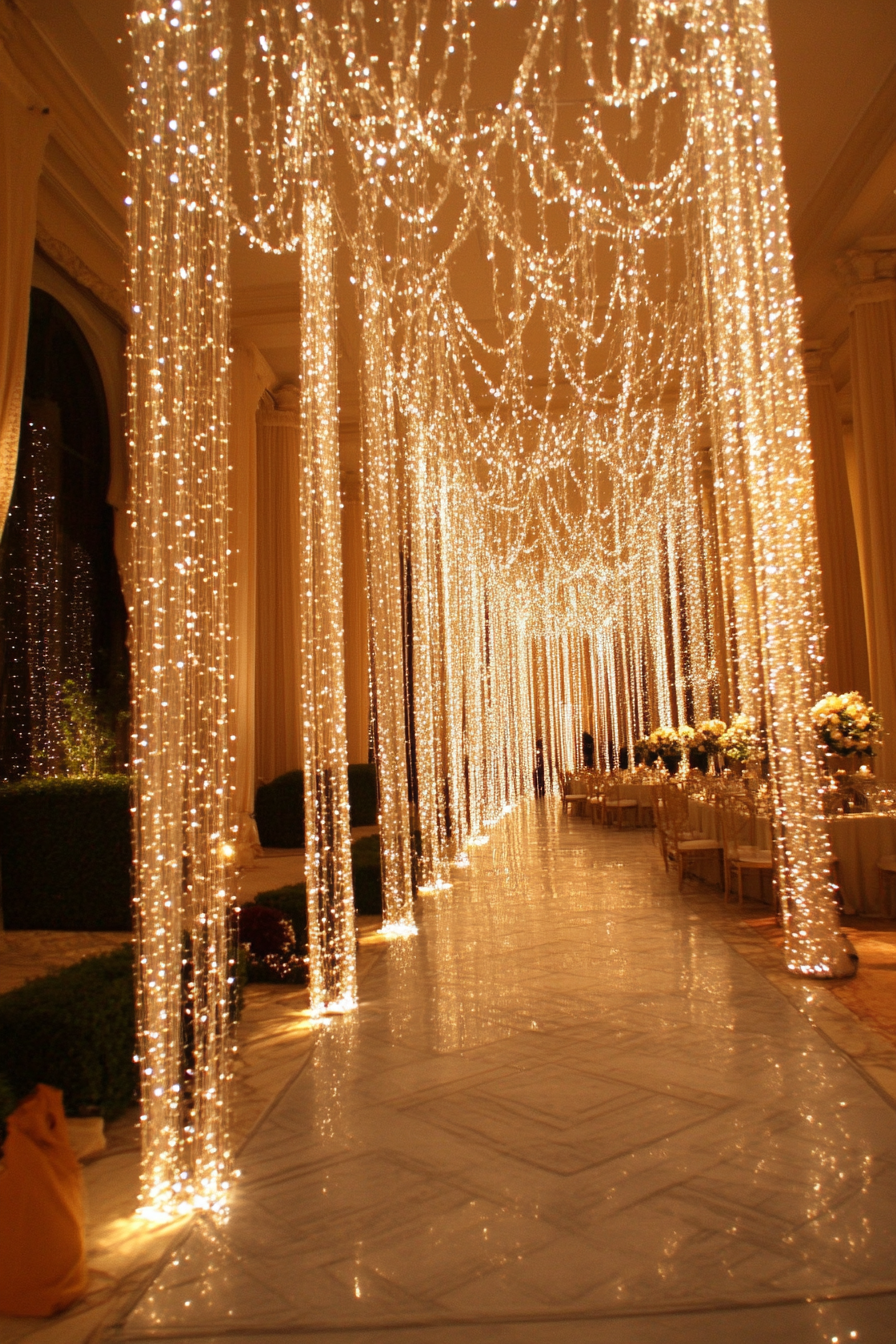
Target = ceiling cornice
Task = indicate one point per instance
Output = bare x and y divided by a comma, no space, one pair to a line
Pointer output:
815,230
81,128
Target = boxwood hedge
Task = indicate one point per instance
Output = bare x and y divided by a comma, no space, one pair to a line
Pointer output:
366,881
280,806
75,1030
65,848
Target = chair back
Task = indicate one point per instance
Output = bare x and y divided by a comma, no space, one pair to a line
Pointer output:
738,828
676,803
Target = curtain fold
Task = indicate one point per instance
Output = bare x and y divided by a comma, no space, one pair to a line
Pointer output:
873,360
278,717
846,643
24,127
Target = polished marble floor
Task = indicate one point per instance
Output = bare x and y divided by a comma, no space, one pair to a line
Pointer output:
568,1111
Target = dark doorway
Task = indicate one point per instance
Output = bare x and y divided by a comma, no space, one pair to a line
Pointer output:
62,613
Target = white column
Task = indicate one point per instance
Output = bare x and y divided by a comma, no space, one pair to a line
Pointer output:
278,710
872,329
354,606
846,644
250,375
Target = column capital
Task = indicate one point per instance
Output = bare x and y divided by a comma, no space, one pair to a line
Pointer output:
817,364
869,269
288,397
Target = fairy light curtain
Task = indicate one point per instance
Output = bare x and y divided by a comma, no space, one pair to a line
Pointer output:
562,296
179,407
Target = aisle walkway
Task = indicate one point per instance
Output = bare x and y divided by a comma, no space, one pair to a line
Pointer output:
566,1112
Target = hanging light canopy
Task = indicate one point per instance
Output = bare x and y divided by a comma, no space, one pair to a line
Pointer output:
586,462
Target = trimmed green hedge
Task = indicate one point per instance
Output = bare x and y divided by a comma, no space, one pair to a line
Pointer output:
65,847
366,880
280,806
291,902
74,1030
366,876
8,1103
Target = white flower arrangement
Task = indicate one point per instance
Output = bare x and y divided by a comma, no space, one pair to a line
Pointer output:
846,725
665,741
740,741
710,733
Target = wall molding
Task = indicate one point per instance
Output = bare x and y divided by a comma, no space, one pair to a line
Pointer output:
60,255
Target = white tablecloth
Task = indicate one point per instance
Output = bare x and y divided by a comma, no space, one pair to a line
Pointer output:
858,842
641,794
707,819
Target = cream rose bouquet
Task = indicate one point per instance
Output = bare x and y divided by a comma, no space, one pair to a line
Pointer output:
710,733
665,741
688,737
846,725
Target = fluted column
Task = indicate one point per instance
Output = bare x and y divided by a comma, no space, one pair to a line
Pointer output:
278,708
872,329
354,606
250,375
846,645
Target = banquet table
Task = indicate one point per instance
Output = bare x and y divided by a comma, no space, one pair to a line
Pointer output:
641,793
707,818
858,842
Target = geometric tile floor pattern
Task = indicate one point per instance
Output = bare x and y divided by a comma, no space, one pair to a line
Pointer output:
567,1111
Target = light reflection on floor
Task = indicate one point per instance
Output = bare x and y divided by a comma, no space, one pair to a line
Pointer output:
567,1111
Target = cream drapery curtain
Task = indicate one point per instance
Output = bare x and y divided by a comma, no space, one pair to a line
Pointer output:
873,360
250,377
354,615
278,718
24,127
846,644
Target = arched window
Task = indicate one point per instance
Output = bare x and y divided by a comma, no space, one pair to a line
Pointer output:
62,614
